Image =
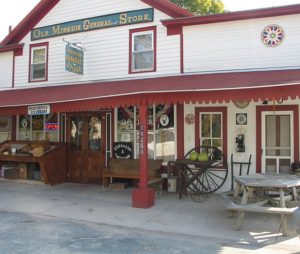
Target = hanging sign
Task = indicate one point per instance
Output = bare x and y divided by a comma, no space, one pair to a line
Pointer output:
35,110
123,150
74,60
89,24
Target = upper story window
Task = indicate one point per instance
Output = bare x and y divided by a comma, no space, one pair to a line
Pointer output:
38,62
142,50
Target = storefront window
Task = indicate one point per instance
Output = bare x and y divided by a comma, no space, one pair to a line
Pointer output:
40,127
125,124
5,128
161,131
165,132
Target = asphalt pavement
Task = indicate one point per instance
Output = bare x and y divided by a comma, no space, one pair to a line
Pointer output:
77,218
36,234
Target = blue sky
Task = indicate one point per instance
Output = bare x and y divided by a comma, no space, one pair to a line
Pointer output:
13,11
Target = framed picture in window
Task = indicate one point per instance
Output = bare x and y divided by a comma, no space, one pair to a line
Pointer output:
5,123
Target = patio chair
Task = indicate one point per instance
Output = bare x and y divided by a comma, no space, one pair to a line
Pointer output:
242,166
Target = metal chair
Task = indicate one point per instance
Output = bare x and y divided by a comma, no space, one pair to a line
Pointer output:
242,165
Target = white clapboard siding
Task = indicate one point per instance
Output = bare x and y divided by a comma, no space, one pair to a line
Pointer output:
6,69
107,50
237,45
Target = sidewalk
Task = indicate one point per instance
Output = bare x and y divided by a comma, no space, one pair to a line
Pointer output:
171,215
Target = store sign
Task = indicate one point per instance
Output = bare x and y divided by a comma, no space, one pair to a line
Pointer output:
74,60
51,126
123,150
89,24
38,110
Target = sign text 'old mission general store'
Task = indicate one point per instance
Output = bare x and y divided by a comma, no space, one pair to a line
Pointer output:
83,25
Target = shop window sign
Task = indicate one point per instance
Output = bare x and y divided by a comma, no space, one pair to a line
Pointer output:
51,126
38,110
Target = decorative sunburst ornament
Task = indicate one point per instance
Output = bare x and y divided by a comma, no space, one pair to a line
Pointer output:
272,35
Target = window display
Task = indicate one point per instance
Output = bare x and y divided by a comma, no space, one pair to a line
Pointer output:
161,130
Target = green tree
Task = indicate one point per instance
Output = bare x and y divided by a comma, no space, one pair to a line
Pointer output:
201,7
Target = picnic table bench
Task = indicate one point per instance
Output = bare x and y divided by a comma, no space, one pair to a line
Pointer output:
258,183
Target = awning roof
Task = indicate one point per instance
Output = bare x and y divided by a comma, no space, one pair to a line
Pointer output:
235,86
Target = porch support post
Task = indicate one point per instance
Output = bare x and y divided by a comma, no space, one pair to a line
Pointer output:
143,197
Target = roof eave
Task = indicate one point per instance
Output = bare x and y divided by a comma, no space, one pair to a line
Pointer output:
232,16
37,13
169,8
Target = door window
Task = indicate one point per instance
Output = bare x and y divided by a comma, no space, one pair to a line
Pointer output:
76,133
94,133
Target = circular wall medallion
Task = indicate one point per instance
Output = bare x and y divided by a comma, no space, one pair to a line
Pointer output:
272,35
241,118
241,104
189,119
164,120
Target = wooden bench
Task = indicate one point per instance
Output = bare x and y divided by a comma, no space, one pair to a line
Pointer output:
130,169
258,207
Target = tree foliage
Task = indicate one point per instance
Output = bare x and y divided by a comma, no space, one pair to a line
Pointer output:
201,7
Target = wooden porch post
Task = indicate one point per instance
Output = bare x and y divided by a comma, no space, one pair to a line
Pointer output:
143,197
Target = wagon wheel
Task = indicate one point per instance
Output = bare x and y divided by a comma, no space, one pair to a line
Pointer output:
212,178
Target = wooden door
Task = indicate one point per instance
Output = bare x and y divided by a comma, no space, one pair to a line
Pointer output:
86,147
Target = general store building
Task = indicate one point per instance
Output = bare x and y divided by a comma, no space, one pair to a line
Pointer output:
92,73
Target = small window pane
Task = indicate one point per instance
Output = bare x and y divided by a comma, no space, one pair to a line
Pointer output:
52,127
205,125
24,127
76,133
216,126
206,142
142,42
38,71
39,56
143,60
95,134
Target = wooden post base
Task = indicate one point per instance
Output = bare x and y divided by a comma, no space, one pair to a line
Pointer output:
143,198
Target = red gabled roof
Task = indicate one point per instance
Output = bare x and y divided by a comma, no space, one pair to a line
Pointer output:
29,22
175,25
169,8
235,86
44,6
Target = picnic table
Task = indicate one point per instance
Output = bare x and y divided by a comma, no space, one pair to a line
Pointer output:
251,185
